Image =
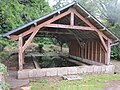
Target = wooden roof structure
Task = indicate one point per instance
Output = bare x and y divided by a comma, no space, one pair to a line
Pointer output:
74,24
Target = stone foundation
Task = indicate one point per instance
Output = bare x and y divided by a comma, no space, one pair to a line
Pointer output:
60,71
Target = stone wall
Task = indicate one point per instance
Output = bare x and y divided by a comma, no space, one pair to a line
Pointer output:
60,71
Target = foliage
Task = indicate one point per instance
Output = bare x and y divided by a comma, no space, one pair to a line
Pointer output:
89,82
41,45
109,10
4,86
3,68
5,42
115,52
45,41
46,62
59,4
4,56
18,12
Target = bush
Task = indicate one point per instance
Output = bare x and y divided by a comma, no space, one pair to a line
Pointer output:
4,55
40,46
46,62
4,86
115,52
3,68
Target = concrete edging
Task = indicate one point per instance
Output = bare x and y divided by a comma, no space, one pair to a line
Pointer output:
60,71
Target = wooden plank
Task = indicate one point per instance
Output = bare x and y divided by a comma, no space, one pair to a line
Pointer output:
92,50
88,50
96,51
100,54
20,53
82,52
51,32
87,61
85,50
69,27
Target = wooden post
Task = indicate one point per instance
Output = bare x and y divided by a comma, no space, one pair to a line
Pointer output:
72,19
20,53
107,61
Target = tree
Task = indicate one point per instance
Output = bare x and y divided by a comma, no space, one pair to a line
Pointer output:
14,13
109,10
60,3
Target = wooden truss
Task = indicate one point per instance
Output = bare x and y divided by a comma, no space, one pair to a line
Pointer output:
33,31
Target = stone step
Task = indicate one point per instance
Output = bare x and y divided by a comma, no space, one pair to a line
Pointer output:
72,77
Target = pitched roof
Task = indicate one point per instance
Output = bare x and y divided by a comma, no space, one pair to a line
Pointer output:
79,8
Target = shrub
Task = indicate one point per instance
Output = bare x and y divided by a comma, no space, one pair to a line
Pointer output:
46,62
40,46
5,42
4,86
115,52
4,55
3,68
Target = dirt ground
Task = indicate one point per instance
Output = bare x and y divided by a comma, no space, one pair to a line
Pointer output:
117,65
114,85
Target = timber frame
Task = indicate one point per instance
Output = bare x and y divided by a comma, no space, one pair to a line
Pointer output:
85,40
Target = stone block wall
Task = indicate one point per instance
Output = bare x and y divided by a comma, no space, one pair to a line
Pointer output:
60,71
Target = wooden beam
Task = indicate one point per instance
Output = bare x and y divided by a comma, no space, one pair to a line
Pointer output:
72,19
103,42
69,27
34,30
101,35
29,40
88,23
51,32
13,37
20,53
107,60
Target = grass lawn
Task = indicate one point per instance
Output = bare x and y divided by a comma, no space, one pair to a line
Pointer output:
89,82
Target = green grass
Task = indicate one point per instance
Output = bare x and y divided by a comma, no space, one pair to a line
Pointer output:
89,82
